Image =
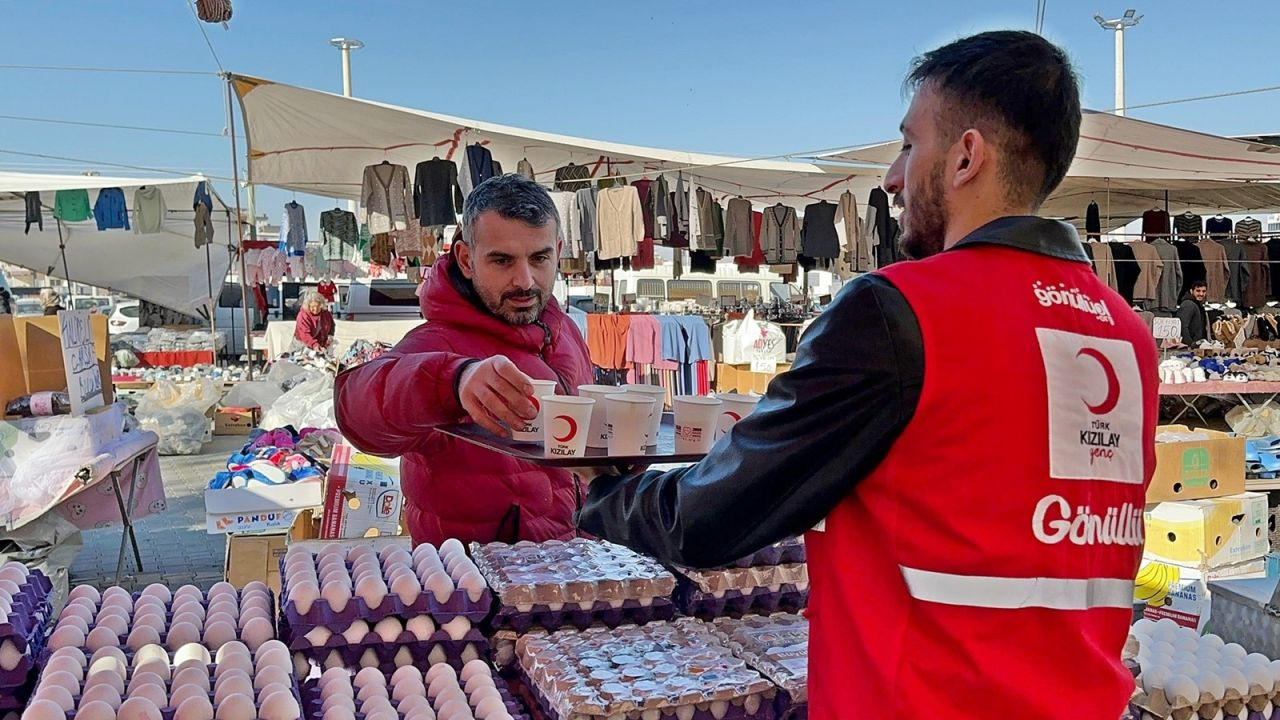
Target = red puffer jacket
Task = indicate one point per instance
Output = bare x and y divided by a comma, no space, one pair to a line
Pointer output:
454,489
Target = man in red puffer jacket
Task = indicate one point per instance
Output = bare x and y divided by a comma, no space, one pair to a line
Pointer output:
493,325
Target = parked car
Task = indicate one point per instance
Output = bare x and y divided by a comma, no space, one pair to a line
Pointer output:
94,304
27,307
380,300
125,318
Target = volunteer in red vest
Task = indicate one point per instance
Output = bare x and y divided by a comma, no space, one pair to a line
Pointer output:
971,477
493,326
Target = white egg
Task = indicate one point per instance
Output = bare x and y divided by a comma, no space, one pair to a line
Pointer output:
1234,681
1181,691
44,710
1183,667
1210,682
1260,675
1235,650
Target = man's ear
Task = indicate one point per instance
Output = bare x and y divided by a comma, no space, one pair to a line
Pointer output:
466,260
970,155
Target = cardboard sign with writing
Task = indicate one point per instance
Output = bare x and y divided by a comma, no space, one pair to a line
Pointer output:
1166,328
79,360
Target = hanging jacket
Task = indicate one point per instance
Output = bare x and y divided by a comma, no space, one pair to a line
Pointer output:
385,198
148,210
110,210
33,212
1005,591
454,489
202,203
71,205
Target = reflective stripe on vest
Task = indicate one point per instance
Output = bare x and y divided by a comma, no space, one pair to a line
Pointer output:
1009,593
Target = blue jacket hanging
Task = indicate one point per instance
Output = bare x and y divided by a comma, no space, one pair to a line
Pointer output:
110,210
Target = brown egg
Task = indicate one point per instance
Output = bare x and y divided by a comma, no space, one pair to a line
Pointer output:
102,693
138,708
75,653
473,582
402,657
85,591
196,707
335,680
235,647
334,660
152,666
366,677
338,701
372,590
192,651
217,634
236,707
408,688
109,679
273,687
223,606
390,574
457,628
279,706
73,621
437,671
181,633
356,632
477,682
110,658
182,693
232,683
369,659
371,690
489,707
144,676
406,587
302,595
403,674
67,665
95,710
154,693
59,686
439,685
412,702
190,591
67,636
268,675
85,614
195,677
233,662
439,584
44,710
388,629
456,708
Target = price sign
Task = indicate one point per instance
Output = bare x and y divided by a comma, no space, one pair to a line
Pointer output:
766,365
84,382
1166,328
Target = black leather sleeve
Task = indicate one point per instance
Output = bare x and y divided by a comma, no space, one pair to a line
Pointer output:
821,427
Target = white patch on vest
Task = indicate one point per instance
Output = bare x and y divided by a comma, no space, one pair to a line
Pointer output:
1055,521
1072,297
1095,407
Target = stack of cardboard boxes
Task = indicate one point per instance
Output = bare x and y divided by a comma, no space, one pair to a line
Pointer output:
1201,525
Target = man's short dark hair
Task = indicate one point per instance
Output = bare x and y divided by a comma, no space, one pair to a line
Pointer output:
1196,285
1020,91
512,196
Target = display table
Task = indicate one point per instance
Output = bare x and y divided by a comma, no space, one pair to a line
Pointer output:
280,333
182,358
1189,393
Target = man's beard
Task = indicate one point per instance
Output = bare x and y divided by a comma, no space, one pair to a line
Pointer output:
925,233
510,314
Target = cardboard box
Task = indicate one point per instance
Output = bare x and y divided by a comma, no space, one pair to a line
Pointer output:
1183,594
362,496
34,345
1197,469
260,508
255,556
236,420
1244,612
1208,533
740,379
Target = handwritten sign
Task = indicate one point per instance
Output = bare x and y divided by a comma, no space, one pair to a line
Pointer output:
1166,328
763,364
84,381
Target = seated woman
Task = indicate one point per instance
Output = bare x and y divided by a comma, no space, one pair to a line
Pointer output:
314,329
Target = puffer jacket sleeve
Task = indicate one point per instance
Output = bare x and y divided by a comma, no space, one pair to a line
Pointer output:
389,405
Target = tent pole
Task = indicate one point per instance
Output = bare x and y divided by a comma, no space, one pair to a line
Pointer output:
235,179
213,299
71,286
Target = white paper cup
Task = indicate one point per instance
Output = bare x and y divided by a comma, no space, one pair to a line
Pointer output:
626,419
532,430
696,423
659,394
597,435
734,407
566,419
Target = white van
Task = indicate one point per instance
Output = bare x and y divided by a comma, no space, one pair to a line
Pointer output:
380,300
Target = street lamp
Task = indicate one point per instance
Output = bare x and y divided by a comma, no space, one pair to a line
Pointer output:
346,45
1130,19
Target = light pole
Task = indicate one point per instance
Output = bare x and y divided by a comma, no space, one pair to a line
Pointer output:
1129,20
346,45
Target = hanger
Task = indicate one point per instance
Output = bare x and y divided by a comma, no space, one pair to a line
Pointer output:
385,162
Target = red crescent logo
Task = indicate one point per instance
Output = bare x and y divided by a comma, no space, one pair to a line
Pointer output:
736,417
573,428
1113,383
537,406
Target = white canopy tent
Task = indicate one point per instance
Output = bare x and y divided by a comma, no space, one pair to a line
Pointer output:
1129,166
165,268
320,143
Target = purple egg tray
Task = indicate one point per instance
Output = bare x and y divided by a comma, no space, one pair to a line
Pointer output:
31,647
31,606
787,709
786,552
167,714
736,603
311,702
15,698
540,708
632,612
386,652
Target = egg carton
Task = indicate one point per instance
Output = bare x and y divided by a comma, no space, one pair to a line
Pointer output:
20,675
540,708
736,603
632,612
785,552
776,646
311,702
15,698
376,653
31,606
459,604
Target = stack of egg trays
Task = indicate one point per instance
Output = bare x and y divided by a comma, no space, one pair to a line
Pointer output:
694,601
784,552
25,629
759,640
601,613
293,627
311,701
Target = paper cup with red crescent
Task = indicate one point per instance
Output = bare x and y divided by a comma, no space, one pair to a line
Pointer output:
597,435
733,408
566,419
532,430
626,417
659,394
696,423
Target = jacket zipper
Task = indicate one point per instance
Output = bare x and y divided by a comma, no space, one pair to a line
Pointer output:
542,353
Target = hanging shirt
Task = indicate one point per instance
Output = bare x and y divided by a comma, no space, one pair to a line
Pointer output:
148,210
849,231
339,232
477,166
33,212
202,203
779,234
1152,268
586,209
620,221
385,197
327,290
524,169
573,177
570,225
71,205
738,240
110,210
1216,271
293,229
644,340
818,235
660,204
1170,276
437,197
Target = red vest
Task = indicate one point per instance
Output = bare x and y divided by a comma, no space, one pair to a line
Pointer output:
985,568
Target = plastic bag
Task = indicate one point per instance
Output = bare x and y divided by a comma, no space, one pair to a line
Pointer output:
252,394
177,414
282,370
749,339
309,404
1261,421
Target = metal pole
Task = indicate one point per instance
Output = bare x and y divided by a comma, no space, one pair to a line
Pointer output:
71,286
346,70
1120,70
239,233
213,299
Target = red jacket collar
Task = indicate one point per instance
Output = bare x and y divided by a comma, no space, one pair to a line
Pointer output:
443,302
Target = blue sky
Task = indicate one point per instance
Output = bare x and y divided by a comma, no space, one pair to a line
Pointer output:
751,77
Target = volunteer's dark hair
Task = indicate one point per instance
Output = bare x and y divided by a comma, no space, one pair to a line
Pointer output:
512,196
1020,91
1196,285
